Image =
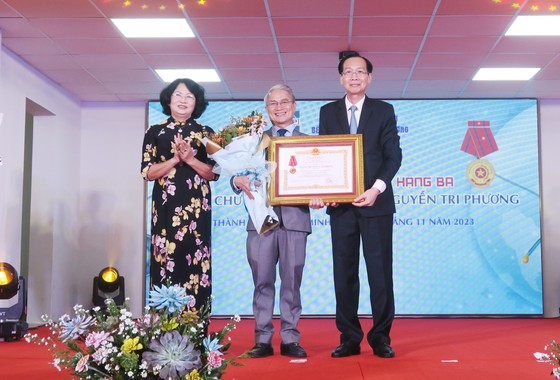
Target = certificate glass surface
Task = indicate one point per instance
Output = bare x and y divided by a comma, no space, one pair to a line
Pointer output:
329,167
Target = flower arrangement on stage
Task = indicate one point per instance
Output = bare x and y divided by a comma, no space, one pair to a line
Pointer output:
253,124
168,342
552,357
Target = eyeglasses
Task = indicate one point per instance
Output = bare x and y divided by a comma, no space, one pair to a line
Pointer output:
180,96
275,104
359,73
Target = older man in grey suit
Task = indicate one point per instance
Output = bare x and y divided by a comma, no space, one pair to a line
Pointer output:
284,244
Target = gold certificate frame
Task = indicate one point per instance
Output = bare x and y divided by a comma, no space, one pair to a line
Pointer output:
329,167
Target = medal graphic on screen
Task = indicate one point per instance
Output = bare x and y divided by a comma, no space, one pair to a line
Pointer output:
479,141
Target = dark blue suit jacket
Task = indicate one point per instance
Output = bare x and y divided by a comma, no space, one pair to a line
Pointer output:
382,152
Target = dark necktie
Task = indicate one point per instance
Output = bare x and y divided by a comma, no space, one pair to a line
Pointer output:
281,132
353,122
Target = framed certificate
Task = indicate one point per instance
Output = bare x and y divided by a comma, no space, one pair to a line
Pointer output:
329,167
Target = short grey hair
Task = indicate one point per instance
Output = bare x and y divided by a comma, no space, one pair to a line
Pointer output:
282,87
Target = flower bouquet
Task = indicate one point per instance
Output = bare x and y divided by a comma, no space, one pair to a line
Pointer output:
168,342
239,149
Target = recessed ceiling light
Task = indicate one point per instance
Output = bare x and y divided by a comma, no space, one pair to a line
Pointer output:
153,27
198,75
535,26
497,73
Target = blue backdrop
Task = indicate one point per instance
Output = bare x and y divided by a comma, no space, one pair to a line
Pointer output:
467,228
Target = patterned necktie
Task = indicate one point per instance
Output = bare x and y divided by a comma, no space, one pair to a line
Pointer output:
281,132
353,122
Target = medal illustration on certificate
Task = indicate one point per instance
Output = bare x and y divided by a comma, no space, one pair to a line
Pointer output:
293,164
479,142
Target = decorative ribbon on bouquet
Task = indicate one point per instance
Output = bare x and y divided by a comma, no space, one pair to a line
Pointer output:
245,155
479,141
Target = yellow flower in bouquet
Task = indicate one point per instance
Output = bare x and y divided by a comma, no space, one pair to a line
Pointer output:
252,124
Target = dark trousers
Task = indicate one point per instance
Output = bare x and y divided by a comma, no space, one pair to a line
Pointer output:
376,234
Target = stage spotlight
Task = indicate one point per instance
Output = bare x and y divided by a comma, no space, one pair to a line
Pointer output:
13,304
109,284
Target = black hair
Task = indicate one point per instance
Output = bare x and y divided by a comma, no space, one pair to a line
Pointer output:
196,89
369,65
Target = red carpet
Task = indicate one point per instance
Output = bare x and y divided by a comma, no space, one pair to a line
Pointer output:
430,349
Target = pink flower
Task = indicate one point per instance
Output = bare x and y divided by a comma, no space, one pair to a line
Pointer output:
82,365
149,319
214,359
192,226
97,338
179,235
170,265
192,302
159,241
171,189
205,204
204,281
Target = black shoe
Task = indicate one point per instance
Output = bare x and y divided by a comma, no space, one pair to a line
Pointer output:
346,349
383,350
261,350
293,350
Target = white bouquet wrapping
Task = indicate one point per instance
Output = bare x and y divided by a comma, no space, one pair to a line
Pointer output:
239,149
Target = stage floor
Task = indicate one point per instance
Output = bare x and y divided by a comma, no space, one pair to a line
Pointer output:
426,348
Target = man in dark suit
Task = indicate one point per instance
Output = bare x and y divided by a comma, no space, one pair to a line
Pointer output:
369,217
284,244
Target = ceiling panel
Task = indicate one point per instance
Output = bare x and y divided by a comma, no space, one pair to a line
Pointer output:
477,7
386,26
227,8
166,45
485,25
94,45
18,27
81,28
233,60
450,60
239,45
139,9
299,8
53,8
310,27
420,48
24,45
178,61
394,7
452,45
233,27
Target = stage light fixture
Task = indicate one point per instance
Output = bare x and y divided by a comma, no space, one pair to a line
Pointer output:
108,284
13,304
